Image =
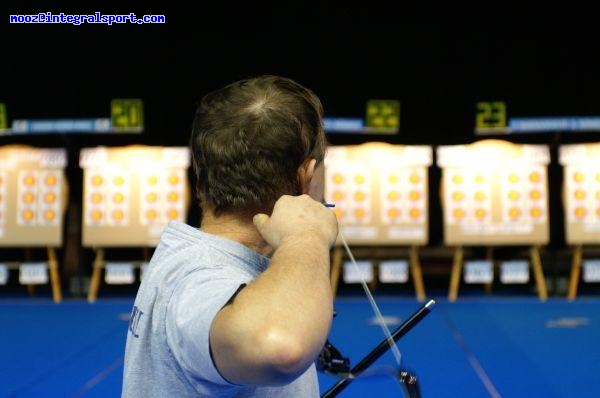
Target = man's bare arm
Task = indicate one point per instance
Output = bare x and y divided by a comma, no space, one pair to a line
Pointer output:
276,326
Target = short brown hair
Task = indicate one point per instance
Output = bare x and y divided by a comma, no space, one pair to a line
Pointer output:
249,139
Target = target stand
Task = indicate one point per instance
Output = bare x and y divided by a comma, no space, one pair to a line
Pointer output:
130,195
379,254
535,263
33,199
35,273
581,205
591,268
494,193
381,198
121,272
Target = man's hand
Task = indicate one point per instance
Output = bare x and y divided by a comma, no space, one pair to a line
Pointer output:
297,217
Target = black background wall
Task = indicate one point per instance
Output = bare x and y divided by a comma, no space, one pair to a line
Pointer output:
438,70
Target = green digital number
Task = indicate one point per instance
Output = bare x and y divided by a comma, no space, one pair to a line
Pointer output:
127,114
490,115
383,114
3,117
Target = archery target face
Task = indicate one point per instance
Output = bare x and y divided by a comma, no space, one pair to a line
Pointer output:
32,196
403,196
107,195
503,202
39,193
351,192
130,194
470,196
162,196
581,192
379,191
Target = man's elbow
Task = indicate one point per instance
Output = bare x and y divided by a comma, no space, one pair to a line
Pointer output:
287,357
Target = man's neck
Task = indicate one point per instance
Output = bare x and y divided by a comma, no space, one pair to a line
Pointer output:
236,229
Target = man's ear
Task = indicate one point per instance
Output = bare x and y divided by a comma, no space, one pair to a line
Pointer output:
305,174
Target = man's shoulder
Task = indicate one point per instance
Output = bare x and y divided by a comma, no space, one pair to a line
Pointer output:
182,231
176,231
178,237
189,250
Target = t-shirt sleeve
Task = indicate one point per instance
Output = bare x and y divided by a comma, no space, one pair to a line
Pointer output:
190,313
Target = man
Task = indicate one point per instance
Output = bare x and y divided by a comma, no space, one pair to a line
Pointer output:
242,306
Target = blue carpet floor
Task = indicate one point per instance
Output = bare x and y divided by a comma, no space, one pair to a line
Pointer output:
486,347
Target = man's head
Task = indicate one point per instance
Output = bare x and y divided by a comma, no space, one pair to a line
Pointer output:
251,142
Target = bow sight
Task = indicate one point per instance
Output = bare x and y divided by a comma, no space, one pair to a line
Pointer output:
332,361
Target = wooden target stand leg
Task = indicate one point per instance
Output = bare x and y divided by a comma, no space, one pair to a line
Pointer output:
31,289
536,264
417,274
414,263
575,272
98,266
53,271
457,264
54,275
336,270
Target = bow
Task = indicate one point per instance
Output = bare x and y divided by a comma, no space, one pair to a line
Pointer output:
331,360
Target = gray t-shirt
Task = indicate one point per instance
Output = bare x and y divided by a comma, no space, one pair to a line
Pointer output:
191,276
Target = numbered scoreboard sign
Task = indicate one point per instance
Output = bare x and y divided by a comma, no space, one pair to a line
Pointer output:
490,116
393,271
591,270
33,274
514,271
131,193
383,116
3,117
479,271
380,192
3,274
119,273
494,192
32,196
362,271
581,192
127,115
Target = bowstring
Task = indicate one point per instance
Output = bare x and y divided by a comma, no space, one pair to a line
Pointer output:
380,319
